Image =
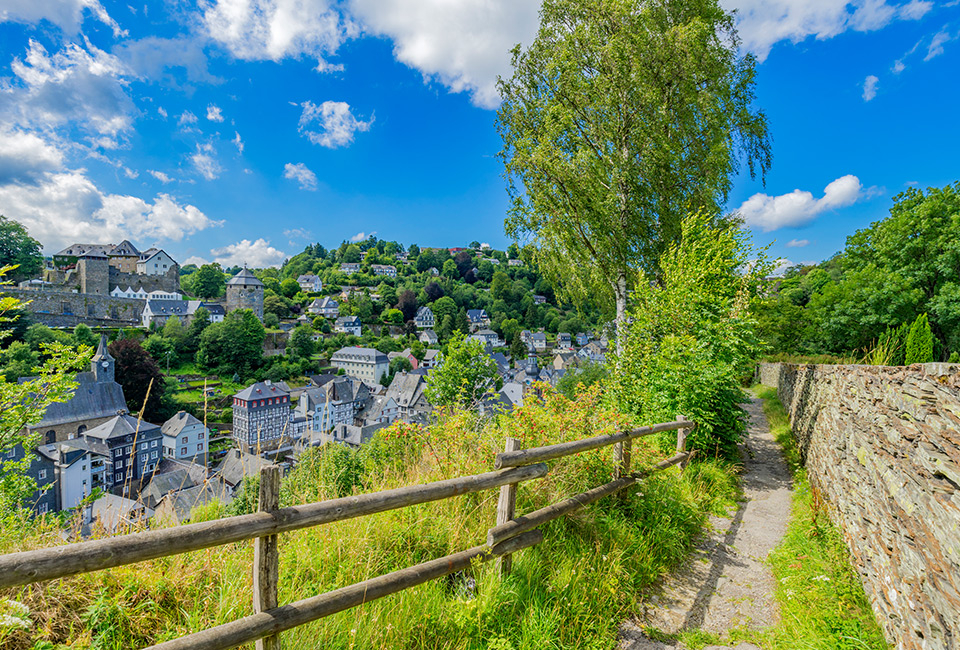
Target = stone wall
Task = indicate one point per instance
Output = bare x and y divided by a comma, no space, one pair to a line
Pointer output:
882,444
61,309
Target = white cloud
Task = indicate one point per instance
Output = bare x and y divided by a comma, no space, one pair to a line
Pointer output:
152,58
162,112
360,236
799,207
870,87
763,23
798,243
781,265
214,114
464,45
257,254
277,29
66,207
83,86
299,172
297,233
68,15
936,44
160,176
187,117
205,162
336,124
237,142
25,156
195,259
898,67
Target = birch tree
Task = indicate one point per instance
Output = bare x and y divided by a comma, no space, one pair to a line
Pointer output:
622,117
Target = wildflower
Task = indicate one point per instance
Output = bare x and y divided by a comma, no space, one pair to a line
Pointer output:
821,578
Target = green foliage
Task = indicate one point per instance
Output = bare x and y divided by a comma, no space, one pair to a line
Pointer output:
588,176
691,338
271,320
463,374
207,282
234,345
301,341
579,378
144,386
890,349
919,348
19,252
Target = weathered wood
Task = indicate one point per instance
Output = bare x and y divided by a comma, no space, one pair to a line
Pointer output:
500,533
540,454
253,627
266,558
70,559
506,507
682,434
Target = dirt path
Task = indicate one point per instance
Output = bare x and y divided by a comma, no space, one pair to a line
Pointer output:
725,583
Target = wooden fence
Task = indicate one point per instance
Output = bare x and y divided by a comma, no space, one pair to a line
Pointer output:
510,534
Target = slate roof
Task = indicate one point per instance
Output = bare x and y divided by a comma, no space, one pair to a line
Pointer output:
245,278
114,511
406,388
162,484
121,425
477,315
236,465
169,307
178,423
260,390
91,400
124,248
349,321
182,502
353,353
78,250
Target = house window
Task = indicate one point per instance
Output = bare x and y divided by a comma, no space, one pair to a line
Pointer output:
11,453
153,455
41,475
183,451
117,452
184,439
154,443
199,447
144,446
42,508
118,477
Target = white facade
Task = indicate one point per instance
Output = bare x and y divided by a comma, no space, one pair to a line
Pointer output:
310,283
185,438
365,364
155,262
141,294
76,481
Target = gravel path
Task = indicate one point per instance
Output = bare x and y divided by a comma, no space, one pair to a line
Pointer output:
725,583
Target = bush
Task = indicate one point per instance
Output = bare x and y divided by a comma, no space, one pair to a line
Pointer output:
919,342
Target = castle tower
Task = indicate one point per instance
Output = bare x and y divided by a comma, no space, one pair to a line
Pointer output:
94,272
103,365
245,291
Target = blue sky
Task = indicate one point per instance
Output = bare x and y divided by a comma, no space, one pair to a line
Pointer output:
241,130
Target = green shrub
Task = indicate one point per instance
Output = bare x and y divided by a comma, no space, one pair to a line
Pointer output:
919,342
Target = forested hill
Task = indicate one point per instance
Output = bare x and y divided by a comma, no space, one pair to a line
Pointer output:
893,276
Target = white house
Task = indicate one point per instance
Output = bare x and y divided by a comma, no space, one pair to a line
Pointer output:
348,325
514,262
350,267
539,300
424,318
185,438
488,336
154,262
428,337
142,294
362,363
326,307
310,283
384,269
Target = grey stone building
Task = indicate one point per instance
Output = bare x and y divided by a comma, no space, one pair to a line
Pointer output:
263,419
135,448
245,291
366,364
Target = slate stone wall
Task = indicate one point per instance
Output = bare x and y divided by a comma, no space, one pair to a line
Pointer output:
62,309
883,446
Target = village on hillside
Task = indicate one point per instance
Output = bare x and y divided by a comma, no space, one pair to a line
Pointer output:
254,366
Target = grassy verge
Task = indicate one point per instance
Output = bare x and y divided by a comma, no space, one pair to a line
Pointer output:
572,591
822,602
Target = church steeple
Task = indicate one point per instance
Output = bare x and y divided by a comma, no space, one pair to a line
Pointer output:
103,365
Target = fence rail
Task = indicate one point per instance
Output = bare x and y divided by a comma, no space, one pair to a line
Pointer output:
510,534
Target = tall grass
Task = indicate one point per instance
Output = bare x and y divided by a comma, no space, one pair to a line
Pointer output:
822,602
571,591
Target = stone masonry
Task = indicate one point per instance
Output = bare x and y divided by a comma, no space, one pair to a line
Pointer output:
882,444
62,309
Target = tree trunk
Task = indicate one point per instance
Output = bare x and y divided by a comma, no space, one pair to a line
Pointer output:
620,294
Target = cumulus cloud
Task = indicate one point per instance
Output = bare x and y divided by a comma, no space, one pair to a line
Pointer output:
196,260
300,173
464,45
257,253
798,243
186,118
68,15
277,29
77,85
237,142
162,112
360,236
799,207
160,176
870,87
205,162
214,114
331,124
65,207
763,23
161,59
25,156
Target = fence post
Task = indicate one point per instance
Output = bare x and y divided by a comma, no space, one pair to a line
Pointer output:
621,458
506,508
266,558
682,442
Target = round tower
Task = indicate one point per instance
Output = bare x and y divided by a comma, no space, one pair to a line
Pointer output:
245,291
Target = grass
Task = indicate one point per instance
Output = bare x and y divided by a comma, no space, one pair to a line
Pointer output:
822,602
571,591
